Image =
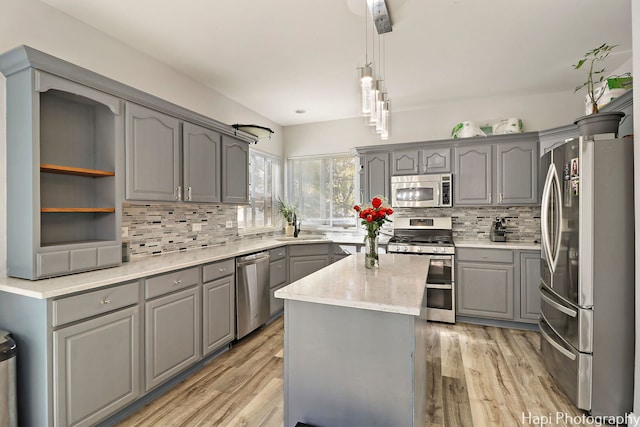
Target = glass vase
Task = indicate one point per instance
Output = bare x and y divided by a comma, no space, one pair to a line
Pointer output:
371,251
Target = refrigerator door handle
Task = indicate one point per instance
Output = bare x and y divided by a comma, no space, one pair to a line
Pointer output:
546,189
556,345
557,306
555,252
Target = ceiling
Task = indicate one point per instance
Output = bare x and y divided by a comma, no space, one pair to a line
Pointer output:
279,56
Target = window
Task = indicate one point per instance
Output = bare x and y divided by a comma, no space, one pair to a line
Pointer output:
323,189
264,187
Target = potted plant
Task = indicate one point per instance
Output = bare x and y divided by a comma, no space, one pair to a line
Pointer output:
286,211
597,122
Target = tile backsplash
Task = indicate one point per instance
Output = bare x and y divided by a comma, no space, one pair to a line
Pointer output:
163,228
474,223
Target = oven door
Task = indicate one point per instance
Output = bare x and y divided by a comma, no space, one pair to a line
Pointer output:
440,291
414,192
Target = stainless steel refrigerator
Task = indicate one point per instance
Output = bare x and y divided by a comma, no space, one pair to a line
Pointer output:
587,272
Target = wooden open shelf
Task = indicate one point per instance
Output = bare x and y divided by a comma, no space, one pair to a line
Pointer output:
78,210
68,170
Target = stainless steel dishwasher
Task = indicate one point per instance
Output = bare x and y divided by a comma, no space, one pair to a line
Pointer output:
252,292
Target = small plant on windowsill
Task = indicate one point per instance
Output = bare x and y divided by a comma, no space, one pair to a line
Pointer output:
286,211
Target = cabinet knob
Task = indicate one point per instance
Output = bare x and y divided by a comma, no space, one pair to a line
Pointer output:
105,301
177,282
222,269
500,198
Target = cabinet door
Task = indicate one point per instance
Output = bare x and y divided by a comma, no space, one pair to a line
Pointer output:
377,180
302,266
172,335
517,173
405,162
218,313
96,367
473,180
529,283
275,304
485,290
235,170
152,158
436,160
201,164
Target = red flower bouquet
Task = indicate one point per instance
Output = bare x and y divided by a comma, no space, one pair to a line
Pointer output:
373,218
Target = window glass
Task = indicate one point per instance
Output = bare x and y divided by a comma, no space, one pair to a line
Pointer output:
323,189
264,186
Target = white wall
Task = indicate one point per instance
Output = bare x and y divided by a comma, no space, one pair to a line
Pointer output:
35,24
538,112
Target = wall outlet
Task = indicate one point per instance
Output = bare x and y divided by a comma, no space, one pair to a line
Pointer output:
229,224
196,227
125,232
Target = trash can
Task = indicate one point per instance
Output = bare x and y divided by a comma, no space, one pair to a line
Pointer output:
8,401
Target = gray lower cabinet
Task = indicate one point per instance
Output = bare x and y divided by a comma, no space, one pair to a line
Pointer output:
96,366
529,284
235,170
172,325
277,277
218,305
306,259
152,157
499,284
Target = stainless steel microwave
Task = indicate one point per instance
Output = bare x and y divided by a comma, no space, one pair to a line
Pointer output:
421,191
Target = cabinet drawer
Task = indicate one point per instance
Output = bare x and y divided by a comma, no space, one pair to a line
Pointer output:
81,306
313,249
490,255
52,263
110,255
277,253
217,270
278,272
159,285
83,259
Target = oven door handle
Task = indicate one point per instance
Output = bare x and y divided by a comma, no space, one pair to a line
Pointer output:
441,257
438,286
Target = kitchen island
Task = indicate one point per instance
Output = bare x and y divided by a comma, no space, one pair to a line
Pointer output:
355,345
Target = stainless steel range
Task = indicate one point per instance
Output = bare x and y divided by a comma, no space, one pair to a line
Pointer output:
432,237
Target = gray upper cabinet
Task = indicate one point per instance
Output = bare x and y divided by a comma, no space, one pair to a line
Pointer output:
473,177
517,171
377,180
152,159
504,173
405,162
435,160
201,164
235,170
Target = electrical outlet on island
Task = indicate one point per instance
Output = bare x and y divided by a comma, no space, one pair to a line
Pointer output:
196,227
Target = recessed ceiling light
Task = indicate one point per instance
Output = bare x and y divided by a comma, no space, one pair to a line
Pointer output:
301,111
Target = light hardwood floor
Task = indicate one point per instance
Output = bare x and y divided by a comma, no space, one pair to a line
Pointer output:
478,376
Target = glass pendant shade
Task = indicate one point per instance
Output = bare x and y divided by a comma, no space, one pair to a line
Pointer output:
366,82
382,97
386,120
375,93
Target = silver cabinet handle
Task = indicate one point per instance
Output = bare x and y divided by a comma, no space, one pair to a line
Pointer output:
105,301
189,193
222,269
178,191
490,198
500,198
177,282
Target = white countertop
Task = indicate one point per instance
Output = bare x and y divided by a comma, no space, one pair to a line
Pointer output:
140,267
396,287
488,244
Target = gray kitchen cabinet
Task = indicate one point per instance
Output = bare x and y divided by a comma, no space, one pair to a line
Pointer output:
529,284
172,325
235,170
96,365
504,173
152,158
201,164
277,277
473,180
62,173
377,180
306,259
435,160
405,162
517,171
218,305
